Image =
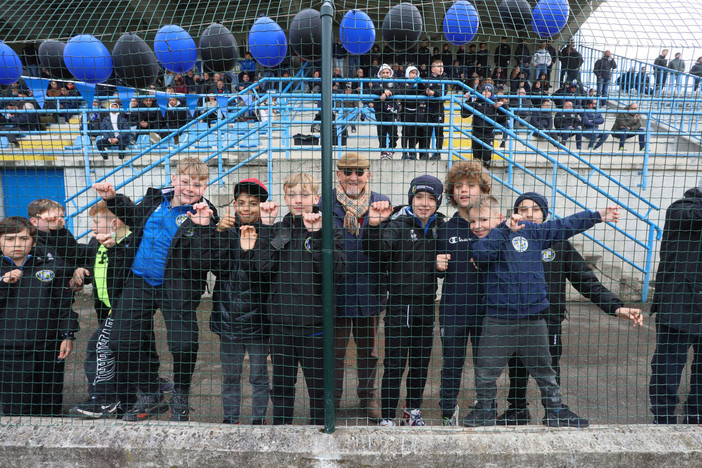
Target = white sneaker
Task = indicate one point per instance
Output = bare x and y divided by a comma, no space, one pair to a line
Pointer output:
453,420
387,423
413,418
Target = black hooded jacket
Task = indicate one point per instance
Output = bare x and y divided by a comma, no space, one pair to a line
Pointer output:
678,296
189,255
293,259
239,292
37,307
408,252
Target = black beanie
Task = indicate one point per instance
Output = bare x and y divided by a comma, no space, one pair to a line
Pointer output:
536,198
426,183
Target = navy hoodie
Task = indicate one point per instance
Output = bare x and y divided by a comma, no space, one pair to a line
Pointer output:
462,296
515,284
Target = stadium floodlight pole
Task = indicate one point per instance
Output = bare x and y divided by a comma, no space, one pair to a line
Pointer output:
327,16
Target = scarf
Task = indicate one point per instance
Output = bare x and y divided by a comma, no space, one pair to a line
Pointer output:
355,208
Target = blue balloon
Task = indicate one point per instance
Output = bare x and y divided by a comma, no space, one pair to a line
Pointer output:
549,17
267,42
10,65
461,23
87,59
357,32
175,49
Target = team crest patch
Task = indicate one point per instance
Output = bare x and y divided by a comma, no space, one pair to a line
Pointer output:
548,255
181,219
520,244
190,232
308,244
45,275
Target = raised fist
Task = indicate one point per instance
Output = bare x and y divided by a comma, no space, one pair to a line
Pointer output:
378,212
312,221
105,190
269,212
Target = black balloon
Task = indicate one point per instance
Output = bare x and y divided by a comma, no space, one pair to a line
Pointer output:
218,49
134,62
306,34
51,58
402,26
515,14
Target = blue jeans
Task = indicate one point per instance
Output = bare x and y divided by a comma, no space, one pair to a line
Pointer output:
625,136
538,70
232,356
593,136
668,362
603,88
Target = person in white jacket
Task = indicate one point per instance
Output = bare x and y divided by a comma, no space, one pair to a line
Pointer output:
541,61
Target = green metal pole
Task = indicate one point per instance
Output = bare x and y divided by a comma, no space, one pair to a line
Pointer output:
327,15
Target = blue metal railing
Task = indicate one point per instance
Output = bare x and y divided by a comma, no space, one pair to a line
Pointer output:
291,104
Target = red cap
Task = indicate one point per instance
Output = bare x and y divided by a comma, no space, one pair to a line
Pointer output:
253,187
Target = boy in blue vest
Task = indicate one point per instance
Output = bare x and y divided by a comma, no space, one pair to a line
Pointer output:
516,297
173,255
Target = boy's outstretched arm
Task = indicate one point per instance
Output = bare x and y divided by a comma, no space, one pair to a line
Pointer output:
120,205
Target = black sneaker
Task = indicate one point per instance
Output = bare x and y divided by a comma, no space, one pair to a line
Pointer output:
435,157
95,409
480,417
514,417
147,405
180,410
259,422
564,417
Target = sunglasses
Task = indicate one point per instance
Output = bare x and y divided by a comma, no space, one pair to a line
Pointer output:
350,172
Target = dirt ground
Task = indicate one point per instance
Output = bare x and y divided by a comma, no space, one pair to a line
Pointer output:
605,372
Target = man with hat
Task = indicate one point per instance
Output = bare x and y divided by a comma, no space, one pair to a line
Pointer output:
362,295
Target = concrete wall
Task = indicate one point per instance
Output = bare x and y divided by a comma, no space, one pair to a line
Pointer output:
182,445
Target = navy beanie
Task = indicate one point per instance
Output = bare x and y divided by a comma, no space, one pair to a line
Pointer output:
426,183
536,198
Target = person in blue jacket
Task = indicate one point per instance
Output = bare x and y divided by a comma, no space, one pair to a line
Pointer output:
592,119
363,294
461,310
516,297
561,262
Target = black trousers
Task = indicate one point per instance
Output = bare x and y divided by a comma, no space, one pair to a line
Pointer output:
100,366
434,118
386,128
409,332
454,346
480,152
413,135
134,325
31,381
287,352
519,375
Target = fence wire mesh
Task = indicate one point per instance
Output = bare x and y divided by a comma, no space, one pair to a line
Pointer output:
161,184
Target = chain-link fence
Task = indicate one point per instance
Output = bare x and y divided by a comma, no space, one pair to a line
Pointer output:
294,214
